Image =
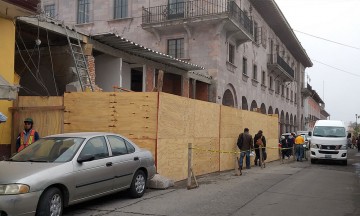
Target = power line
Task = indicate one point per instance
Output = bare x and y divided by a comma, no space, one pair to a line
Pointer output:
357,75
327,40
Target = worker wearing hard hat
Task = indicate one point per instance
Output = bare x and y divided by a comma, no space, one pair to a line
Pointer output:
27,136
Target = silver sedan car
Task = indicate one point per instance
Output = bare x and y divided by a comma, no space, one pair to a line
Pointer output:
61,170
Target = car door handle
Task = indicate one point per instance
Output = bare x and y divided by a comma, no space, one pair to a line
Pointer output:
109,164
136,158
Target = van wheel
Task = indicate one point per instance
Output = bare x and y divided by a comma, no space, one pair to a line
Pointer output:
50,203
344,162
313,161
138,184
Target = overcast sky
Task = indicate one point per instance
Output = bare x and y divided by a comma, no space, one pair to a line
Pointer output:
338,21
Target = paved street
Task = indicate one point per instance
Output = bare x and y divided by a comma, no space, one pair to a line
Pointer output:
292,188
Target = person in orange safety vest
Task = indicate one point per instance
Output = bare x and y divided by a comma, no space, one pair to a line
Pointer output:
27,136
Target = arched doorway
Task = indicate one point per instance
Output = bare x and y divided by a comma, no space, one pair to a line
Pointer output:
292,128
253,105
244,104
228,99
270,110
263,108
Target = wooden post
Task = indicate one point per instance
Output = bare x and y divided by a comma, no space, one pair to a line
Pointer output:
189,165
160,80
261,161
237,168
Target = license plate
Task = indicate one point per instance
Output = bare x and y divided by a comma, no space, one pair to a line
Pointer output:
327,156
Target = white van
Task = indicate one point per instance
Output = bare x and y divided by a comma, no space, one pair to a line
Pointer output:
328,141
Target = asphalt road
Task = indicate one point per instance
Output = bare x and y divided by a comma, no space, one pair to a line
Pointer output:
291,189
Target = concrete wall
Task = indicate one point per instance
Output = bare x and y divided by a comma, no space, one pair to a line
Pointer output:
107,72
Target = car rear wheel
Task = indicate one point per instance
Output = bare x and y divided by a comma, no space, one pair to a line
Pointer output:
50,203
138,184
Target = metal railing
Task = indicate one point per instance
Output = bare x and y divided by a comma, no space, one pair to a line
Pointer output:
276,59
197,8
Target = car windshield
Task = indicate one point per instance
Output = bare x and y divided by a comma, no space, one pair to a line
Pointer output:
327,131
53,149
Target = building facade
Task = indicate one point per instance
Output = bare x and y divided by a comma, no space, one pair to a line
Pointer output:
9,10
246,46
314,108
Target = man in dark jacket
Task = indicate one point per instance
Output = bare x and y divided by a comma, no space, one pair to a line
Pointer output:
259,135
291,142
245,145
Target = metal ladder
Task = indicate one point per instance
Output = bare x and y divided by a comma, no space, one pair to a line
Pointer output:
81,65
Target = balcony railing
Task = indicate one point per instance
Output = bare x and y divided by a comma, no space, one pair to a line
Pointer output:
275,59
197,8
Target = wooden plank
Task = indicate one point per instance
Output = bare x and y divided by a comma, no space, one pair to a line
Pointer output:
45,111
38,108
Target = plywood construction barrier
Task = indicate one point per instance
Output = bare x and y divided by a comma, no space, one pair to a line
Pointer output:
47,113
165,124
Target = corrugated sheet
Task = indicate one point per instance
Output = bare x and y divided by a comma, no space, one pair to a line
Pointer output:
133,48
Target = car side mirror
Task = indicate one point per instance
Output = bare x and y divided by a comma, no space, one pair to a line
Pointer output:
85,158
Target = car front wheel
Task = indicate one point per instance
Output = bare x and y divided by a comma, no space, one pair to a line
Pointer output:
50,203
138,184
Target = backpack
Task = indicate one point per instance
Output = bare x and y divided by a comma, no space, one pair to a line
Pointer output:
240,141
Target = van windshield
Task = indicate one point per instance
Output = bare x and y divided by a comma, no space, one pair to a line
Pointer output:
326,131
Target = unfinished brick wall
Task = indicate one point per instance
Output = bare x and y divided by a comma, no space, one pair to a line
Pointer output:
150,75
91,67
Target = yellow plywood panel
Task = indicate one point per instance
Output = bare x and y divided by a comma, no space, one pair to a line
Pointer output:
149,144
87,111
133,115
231,122
48,118
172,159
35,101
227,160
207,116
206,161
176,117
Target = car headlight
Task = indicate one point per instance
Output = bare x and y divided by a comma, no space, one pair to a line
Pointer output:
315,146
12,189
343,147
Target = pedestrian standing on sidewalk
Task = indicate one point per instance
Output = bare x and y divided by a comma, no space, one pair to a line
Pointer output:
262,141
290,142
299,148
284,146
358,143
245,145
